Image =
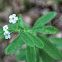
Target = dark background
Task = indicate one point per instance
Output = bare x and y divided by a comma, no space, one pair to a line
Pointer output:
31,10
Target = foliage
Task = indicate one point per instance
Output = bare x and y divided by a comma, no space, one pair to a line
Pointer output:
38,47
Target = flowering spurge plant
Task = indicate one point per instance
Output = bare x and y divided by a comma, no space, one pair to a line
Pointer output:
38,47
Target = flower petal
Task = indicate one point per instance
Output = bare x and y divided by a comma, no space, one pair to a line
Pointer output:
14,22
5,28
10,20
16,18
6,37
14,15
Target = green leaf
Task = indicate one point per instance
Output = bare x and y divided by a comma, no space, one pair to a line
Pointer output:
44,19
50,49
27,27
57,41
36,40
20,21
12,28
45,57
26,39
31,39
14,46
30,54
21,55
37,54
46,30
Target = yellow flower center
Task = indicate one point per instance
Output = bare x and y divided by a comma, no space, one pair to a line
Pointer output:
13,18
7,34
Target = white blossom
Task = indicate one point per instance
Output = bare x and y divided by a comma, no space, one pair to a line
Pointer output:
13,18
5,28
7,35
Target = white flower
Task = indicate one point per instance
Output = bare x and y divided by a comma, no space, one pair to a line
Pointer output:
7,35
5,28
13,18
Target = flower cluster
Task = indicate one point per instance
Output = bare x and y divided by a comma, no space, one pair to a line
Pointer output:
12,19
6,32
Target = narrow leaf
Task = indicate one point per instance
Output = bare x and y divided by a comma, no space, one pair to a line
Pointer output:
44,19
50,49
26,39
14,46
45,57
30,54
31,39
20,21
38,42
46,30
